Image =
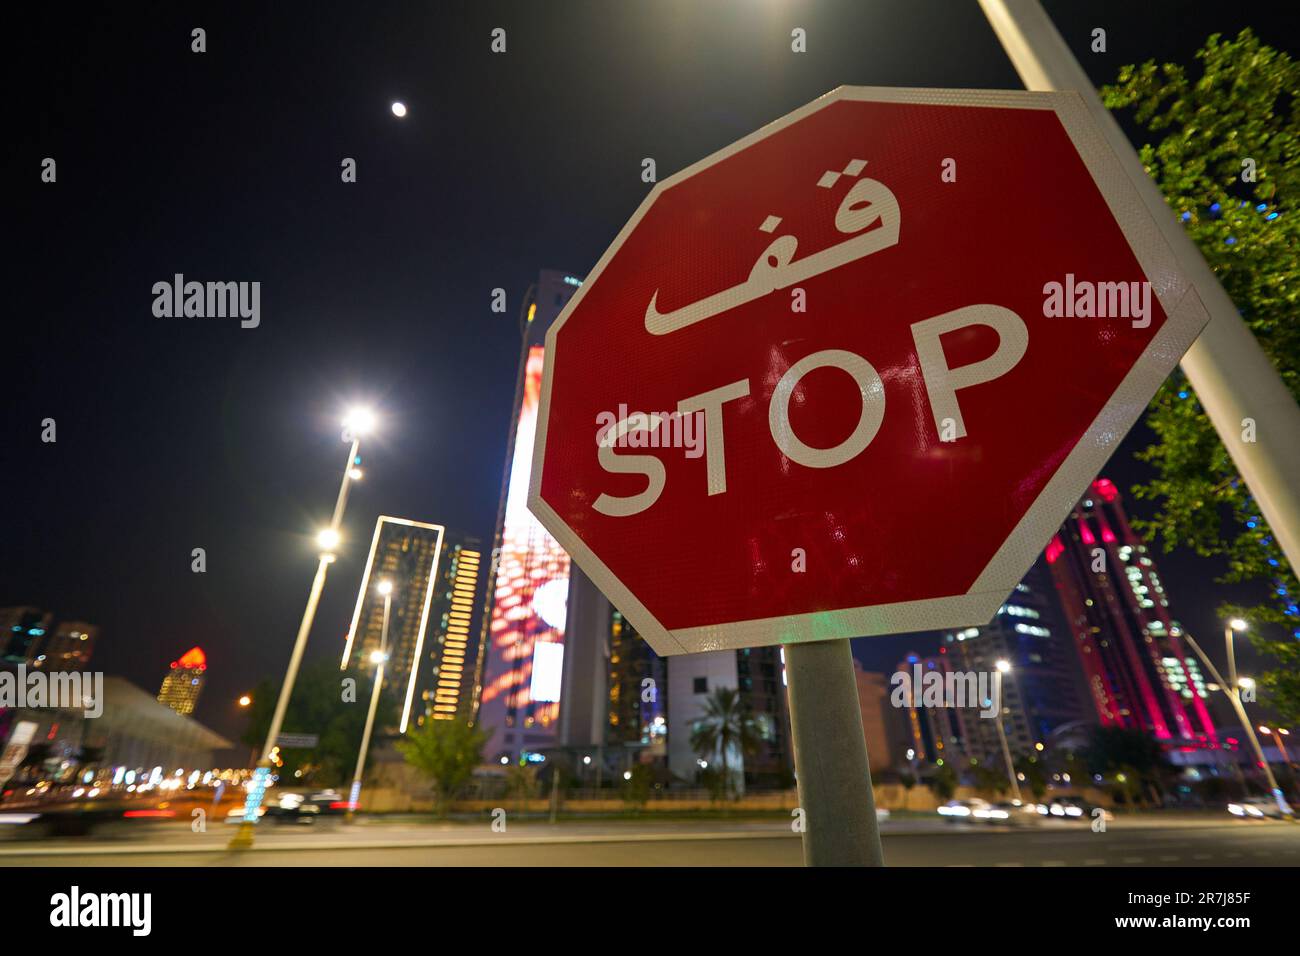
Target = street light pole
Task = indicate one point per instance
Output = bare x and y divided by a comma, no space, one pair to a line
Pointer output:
353,426
1234,697
1003,667
386,589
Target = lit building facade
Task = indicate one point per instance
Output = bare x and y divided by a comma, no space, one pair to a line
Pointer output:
529,600
1139,671
22,633
637,712
436,578
934,735
69,647
1042,692
184,682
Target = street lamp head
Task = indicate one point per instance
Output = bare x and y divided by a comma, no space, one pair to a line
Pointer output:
245,701
385,587
355,474
327,538
1264,730
359,421
1246,683
1003,666
378,657
1237,624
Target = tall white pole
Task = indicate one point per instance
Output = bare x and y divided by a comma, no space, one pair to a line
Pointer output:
355,796
1232,376
1234,698
243,838
1006,747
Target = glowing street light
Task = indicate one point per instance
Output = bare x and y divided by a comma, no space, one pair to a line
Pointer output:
245,701
378,657
399,110
358,422
1004,667
1232,688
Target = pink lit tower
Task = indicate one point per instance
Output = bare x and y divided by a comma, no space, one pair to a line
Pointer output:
1140,671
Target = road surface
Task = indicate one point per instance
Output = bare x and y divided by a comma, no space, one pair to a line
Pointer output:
1143,842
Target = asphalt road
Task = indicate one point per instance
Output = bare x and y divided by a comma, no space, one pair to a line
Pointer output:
1153,842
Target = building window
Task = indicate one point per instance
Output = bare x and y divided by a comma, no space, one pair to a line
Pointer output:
701,685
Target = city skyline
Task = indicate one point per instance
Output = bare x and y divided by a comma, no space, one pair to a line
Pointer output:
236,455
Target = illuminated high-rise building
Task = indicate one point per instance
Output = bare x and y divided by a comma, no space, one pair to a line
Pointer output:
933,734
22,633
1139,671
184,682
69,647
1041,692
532,597
637,685
432,640
453,650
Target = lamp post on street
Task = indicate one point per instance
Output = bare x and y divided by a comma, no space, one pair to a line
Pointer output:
378,658
357,423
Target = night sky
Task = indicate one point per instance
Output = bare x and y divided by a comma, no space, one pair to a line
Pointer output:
182,433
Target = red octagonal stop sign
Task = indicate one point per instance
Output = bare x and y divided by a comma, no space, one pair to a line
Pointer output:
847,376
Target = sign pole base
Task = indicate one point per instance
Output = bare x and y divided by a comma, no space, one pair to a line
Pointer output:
830,757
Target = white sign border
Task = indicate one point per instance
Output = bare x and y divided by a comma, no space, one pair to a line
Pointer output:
1186,316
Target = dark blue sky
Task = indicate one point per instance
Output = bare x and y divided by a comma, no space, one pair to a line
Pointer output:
183,433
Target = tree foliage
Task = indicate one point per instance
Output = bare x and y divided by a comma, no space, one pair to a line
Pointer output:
317,707
726,727
446,751
1227,159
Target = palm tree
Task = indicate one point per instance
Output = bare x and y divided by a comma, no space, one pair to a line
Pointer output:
726,724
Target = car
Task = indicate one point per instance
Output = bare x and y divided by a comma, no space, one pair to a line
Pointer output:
973,810
1256,808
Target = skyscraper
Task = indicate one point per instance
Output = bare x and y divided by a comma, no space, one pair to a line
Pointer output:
453,652
637,711
69,647
529,602
1041,692
22,632
1138,668
933,734
184,682
432,645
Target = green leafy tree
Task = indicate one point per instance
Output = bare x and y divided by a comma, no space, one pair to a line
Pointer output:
1228,161
726,727
446,751
521,782
636,788
943,782
1132,758
1035,775
908,781
991,780
317,707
